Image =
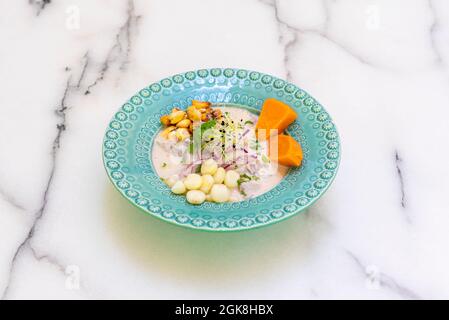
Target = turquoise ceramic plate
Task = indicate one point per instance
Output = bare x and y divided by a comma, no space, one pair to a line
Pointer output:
129,137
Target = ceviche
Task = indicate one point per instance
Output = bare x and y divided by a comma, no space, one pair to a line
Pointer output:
224,153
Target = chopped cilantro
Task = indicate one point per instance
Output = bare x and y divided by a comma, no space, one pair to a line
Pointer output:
249,122
207,125
244,178
265,159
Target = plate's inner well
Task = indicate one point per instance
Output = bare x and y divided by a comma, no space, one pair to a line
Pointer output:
227,151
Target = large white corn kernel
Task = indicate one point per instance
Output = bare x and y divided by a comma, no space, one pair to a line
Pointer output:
182,134
207,183
193,181
195,196
231,178
219,175
209,167
170,181
178,188
220,193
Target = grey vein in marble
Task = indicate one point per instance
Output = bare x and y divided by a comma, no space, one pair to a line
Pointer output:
45,257
398,162
327,14
384,280
399,173
433,30
291,32
344,48
121,49
11,200
39,5
61,125
322,33
83,71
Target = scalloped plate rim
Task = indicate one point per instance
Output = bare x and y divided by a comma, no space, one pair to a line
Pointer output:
205,228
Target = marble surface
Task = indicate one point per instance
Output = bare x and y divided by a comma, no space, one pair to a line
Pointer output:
380,67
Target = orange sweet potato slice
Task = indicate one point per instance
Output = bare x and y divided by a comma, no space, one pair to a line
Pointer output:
289,152
275,115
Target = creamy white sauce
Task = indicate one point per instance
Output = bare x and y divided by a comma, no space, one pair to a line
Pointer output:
173,158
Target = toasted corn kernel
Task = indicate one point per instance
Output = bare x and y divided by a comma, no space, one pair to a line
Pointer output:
176,116
165,120
193,113
201,104
167,130
185,123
